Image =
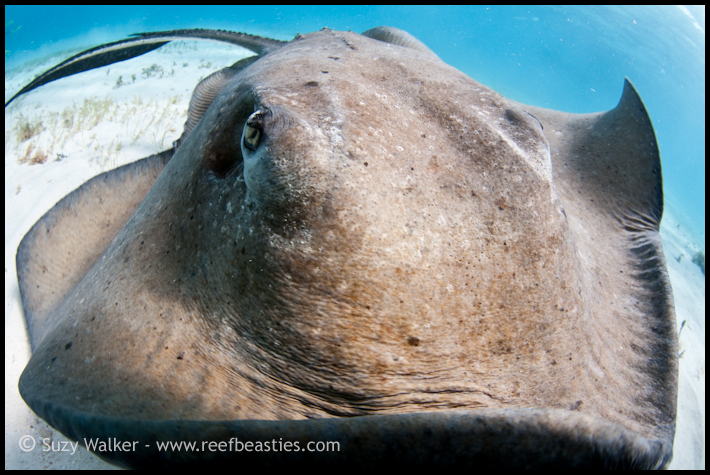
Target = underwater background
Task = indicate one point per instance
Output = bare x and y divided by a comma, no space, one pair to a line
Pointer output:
572,59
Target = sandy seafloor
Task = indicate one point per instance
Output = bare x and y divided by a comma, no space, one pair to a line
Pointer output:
93,122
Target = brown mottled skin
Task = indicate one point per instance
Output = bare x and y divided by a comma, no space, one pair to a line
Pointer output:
401,239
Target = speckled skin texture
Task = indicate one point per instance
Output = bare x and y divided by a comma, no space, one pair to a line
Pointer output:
398,240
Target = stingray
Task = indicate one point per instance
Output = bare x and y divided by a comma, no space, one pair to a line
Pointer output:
356,255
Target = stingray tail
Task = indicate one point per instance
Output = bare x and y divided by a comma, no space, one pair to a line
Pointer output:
144,43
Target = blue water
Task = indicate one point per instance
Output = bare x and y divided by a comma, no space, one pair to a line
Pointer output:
567,58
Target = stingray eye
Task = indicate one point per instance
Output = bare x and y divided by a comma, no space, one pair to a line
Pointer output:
252,136
253,130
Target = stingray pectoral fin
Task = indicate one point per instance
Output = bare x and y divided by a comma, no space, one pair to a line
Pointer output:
143,43
483,438
611,157
66,242
607,172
